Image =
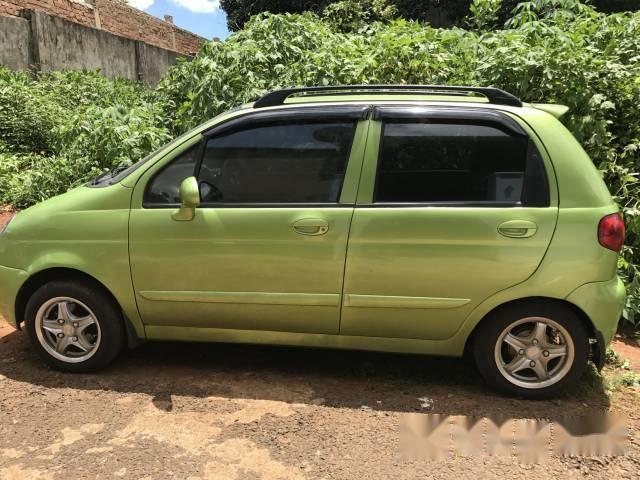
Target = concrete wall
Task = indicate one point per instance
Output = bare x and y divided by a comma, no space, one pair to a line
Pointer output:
64,45
45,43
153,62
14,43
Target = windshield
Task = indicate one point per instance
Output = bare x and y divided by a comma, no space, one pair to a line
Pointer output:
122,170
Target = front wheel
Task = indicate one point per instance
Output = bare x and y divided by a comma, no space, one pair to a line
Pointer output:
532,350
74,327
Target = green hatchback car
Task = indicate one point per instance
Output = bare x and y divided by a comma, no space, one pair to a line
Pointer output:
416,219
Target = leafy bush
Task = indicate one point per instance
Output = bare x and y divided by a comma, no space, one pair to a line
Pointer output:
89,143
353,15
240,69
74,90
439,13
31,178
58,130
33,109
27,117
484,14
102,138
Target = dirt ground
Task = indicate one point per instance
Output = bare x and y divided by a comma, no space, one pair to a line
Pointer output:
198,411
5,214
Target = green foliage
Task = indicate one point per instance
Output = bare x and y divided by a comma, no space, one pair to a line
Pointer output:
73,90
484,14
605,6
31,178
239,11
620,380
528,14
33,109
102,138
61,129
240,69
618,373
614,360
354,15
26,116
439,13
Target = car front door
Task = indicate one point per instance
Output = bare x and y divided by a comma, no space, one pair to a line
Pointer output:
266,248
454,206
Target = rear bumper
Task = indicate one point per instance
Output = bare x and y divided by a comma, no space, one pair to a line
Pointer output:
11,279
603,303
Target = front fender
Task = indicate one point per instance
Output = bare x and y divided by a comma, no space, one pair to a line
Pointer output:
11,279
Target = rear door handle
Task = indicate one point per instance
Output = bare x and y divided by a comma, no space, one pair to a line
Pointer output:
311,226
518,229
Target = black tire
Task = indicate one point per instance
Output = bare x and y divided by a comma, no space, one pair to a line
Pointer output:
491,329
106,312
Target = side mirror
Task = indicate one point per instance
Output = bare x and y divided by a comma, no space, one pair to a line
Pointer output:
190,198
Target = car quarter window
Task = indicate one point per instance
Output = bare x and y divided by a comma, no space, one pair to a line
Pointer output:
277,162
458,162
164,187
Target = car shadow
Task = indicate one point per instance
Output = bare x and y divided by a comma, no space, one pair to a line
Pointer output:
332,378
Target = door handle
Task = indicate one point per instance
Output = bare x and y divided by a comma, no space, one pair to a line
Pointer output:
518,229
311,226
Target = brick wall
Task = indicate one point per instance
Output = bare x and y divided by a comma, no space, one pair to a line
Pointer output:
115,17
9,9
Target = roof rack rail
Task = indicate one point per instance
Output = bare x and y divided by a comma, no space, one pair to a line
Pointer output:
494,95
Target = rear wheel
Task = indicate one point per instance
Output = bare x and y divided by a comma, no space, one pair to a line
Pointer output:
532,350
74,327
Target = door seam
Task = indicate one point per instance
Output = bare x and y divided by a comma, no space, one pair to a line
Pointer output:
353,211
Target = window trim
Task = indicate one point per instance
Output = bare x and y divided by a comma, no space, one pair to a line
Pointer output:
256,205
457,116
443,204
449,115
351,112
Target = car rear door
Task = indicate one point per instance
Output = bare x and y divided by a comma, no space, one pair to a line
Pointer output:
454,205
267,246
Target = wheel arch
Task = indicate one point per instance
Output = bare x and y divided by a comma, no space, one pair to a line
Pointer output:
592,332
42,277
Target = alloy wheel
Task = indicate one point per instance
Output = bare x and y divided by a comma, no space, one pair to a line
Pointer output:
67,329
534,352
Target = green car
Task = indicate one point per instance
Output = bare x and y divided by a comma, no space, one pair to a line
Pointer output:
414,219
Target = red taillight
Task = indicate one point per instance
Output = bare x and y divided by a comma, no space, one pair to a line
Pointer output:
611,232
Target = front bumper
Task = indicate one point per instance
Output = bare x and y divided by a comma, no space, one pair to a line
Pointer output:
11,279
603,303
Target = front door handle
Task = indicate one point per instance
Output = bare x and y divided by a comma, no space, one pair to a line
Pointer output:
518,229
311,226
